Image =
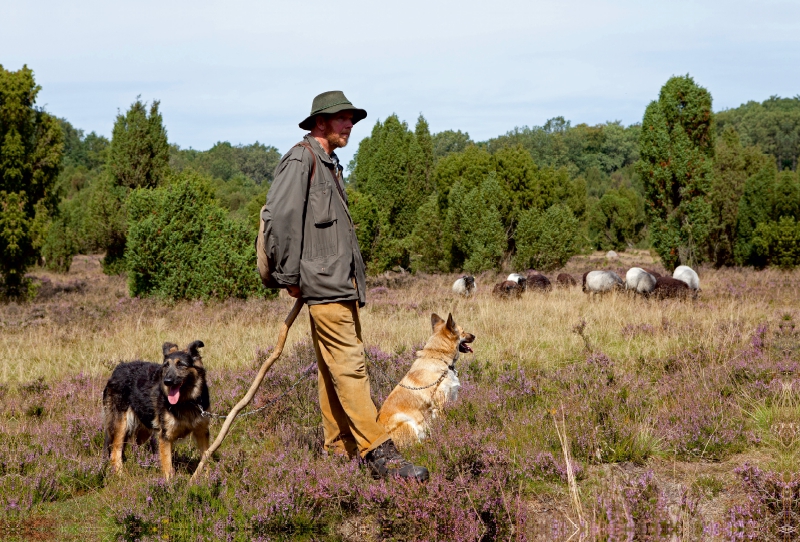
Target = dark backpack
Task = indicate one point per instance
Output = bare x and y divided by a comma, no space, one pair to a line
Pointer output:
265,244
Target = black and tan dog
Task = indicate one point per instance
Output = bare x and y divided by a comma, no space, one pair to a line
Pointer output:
141,398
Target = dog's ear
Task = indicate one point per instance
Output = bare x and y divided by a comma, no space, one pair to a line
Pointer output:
193,350
436,320
169,348
451,324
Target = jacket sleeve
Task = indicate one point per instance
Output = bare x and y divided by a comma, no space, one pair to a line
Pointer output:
286,202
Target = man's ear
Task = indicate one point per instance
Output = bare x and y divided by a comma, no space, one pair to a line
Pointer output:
169,348
436,320
193,350
451,324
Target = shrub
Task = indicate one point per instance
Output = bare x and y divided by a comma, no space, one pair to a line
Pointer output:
59,246
546,240
182,245
777,243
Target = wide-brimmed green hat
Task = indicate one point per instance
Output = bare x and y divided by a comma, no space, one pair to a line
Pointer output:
329,103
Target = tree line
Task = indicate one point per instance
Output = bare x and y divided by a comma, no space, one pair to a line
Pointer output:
693,185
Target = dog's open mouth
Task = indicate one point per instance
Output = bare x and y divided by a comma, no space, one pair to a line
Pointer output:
174,394
465,347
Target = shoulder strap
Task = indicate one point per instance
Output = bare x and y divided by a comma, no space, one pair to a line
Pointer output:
314,165
314,170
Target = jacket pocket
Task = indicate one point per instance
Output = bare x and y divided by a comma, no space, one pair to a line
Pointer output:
323,235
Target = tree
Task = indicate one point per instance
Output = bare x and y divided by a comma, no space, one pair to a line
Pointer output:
773,125
139,152
546,240
787,195
448,142
475,225
31,147
138,157
733,165
616,220
394,168
676,149
429,246
224,161
755,207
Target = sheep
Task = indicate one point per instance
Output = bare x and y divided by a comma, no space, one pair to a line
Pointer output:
670,287
564,280
507,289
656,274
537,281
687,275
598,282
465,286
519,279
640,281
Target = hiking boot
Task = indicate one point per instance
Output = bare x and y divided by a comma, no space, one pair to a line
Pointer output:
385,461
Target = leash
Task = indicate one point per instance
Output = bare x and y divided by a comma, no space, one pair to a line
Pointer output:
305,374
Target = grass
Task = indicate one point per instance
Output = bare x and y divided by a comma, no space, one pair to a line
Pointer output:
678,413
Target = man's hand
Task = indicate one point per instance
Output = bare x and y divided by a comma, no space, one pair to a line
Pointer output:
294,291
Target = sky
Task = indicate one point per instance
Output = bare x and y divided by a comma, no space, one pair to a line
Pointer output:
245,71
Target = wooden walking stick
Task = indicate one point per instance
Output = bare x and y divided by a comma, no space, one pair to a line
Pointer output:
253,387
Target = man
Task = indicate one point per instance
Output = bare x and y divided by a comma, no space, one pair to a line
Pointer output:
317,259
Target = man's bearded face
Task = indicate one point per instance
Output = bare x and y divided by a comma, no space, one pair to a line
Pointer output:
337,129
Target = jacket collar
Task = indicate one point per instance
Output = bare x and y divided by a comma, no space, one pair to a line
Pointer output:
323,156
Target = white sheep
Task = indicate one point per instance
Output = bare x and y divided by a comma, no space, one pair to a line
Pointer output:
597,282
639,281
687,274
465,286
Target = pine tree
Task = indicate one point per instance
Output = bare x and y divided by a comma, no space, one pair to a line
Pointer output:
755,207
31,147
475,225
139,152
138,157
787,196
733,165
391,174
676,149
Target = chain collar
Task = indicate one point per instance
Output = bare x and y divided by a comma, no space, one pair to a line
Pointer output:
451,367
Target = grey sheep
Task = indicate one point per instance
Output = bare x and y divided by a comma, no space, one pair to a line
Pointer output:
598,282
640,281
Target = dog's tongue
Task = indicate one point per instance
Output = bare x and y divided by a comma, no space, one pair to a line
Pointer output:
174,394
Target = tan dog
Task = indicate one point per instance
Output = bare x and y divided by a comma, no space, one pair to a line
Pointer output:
431,381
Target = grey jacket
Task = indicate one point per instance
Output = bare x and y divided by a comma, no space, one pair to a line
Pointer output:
313,233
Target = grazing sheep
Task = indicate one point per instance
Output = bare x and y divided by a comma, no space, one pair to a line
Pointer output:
507,289
598,282
465,286
611,255
687,275
564,280
537,281
640,281
669,287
